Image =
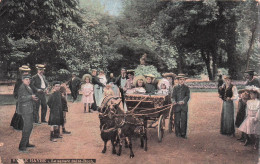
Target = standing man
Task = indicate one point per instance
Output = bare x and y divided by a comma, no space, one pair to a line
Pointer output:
251,80
17,120
120,82
25,108
74,85
180,98
39,85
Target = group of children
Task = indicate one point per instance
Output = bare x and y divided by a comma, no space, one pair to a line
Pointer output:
139,84
248,117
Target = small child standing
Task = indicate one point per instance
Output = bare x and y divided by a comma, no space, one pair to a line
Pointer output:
64,108
87,92
56,113
108,91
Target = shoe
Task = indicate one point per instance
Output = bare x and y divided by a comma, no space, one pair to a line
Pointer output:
241,138
22,149
246,142
66,132
184,136
30,145
44,122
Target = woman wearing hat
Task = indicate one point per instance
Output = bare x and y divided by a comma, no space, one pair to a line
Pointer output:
251,125
87,92
228,94
170,77
149,86
17,120
130,80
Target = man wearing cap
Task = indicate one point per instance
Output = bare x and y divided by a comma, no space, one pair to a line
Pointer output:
25,108
251,80
74,85
17,120
180,98
39,85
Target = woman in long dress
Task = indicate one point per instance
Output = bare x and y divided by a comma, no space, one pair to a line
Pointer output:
229,95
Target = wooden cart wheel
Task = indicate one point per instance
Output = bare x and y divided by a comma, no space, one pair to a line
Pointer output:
160,128
171,121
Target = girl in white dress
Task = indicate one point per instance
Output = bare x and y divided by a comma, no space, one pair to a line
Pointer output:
87,93
251,125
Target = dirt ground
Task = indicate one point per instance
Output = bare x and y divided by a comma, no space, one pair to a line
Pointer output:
204,143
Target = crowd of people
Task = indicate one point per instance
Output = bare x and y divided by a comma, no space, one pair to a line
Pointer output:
30,93
248,116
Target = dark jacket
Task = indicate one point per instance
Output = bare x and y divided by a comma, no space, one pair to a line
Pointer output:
253,82
36,83
74,84
95,80
16,87
181,93
150,88
64,104
118,81
55,105
25,101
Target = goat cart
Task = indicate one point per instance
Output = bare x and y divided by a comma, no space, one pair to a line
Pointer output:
153,109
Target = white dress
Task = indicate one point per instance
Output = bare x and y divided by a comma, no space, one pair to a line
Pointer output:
251,125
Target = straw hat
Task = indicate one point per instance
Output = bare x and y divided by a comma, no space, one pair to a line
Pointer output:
139,77
149,75
87,76
40,66
181,75
169,74
227,77
24,68
253,89
251,72
130,71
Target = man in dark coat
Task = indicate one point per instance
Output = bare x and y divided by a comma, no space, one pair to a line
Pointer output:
74,85
25,108
180,98
120,82
56,113
251,80
39,85
17,120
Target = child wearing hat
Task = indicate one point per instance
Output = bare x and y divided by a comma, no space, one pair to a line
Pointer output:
87,92
56,112
180,98
149,86
108,91
251,125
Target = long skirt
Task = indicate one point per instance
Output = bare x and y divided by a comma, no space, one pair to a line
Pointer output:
241,114
116,90
98,94
227,118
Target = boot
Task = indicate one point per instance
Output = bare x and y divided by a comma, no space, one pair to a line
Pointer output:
256,143
52,137
64,131
57,133
85,109
247,141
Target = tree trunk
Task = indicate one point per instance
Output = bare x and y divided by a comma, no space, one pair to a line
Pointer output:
180,61
207,62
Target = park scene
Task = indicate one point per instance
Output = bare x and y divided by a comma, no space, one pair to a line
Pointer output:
129,81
